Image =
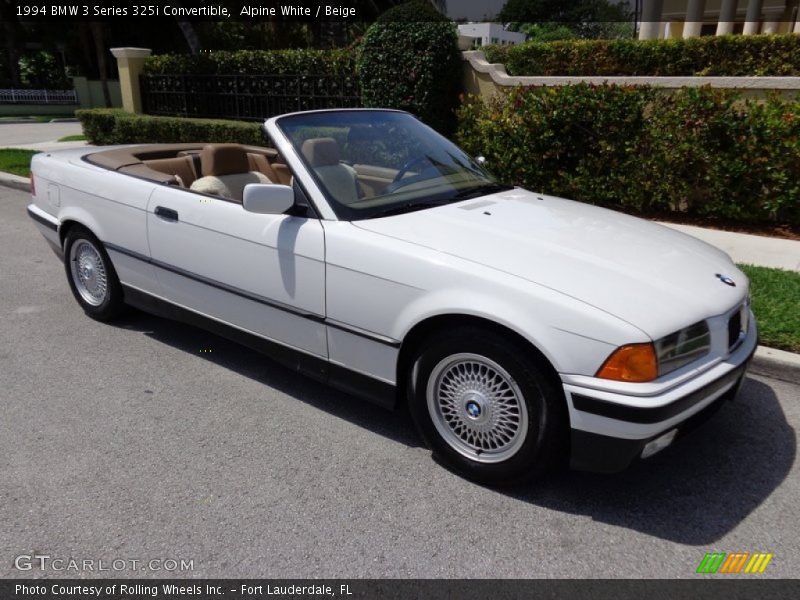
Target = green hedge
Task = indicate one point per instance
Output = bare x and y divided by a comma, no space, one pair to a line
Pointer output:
254,62
698,151
730,55
409,59
113,126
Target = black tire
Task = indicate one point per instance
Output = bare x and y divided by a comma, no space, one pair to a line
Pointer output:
535,449
107,305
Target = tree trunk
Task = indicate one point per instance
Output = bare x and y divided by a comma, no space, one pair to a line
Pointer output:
102,66
10,36
189,34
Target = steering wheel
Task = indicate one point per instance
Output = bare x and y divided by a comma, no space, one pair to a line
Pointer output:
407,166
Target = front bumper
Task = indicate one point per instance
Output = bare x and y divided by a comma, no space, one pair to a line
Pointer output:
610,431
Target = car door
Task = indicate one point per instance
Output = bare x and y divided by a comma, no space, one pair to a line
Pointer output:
262,274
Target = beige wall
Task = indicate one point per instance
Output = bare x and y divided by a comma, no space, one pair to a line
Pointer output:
90,93
487,80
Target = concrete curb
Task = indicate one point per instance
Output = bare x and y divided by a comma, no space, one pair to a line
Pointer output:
15,181
777,364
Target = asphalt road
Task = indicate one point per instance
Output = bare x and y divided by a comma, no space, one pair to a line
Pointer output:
152,440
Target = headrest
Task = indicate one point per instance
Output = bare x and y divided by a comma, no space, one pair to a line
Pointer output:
223,159
321,152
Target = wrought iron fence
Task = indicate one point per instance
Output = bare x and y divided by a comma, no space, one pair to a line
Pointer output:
246,97
14,96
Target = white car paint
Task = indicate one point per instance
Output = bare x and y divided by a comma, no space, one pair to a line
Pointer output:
574,280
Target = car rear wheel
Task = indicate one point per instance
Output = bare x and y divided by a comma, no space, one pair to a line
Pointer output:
487,408
91,275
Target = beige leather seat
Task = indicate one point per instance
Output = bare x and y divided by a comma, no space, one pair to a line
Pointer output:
226,170
340,179
181,167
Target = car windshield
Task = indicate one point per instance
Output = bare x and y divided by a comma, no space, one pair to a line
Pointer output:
373,164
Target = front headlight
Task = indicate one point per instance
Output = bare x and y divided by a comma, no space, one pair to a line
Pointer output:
645,362
682,347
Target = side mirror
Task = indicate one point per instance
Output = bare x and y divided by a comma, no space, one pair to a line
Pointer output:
267,198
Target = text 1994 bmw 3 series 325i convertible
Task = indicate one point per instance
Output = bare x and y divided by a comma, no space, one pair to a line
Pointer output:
367,251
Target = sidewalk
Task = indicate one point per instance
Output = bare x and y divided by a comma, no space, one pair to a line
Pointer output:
38,136
750,249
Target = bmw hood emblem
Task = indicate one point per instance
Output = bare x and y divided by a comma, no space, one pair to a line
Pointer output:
726,280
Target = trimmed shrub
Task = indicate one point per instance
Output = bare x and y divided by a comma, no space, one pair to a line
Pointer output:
255,62
409,59
98,124
697,151
732,55
113,126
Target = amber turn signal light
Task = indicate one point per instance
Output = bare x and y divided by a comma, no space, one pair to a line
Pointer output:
634,362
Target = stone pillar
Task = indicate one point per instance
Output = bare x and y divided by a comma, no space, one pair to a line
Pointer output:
130,62
752,20
694,18
727,17
770,26
650,24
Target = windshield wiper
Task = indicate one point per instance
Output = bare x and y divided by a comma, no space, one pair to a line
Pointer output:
481,190
406,208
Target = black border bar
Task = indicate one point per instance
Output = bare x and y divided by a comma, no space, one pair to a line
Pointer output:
696,587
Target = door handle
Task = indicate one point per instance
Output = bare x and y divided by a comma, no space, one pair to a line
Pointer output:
166,213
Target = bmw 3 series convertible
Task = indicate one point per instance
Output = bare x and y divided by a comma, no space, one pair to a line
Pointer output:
362,248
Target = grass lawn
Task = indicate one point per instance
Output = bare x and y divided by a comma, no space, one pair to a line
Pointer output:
73,138
776,304
16,161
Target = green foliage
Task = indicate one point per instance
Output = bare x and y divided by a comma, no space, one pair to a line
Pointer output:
16,161
570,12
544,32
776,303
698,151
409,60
732,55
39,70
113,126
254,62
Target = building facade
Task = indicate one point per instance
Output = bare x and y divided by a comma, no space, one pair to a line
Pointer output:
692,18
483,34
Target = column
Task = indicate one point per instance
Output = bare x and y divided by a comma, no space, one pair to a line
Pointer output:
770,25
695,11
650,24
130,63
727,17
752,20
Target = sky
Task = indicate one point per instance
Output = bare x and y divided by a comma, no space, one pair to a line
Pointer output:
473,10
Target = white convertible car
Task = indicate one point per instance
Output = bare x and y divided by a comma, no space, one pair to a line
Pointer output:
367,251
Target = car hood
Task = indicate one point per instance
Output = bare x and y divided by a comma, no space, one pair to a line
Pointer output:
653,277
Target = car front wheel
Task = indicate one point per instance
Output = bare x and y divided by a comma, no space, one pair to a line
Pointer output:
487,408
91,275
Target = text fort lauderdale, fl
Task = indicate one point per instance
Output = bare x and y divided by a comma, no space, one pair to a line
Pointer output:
289,10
